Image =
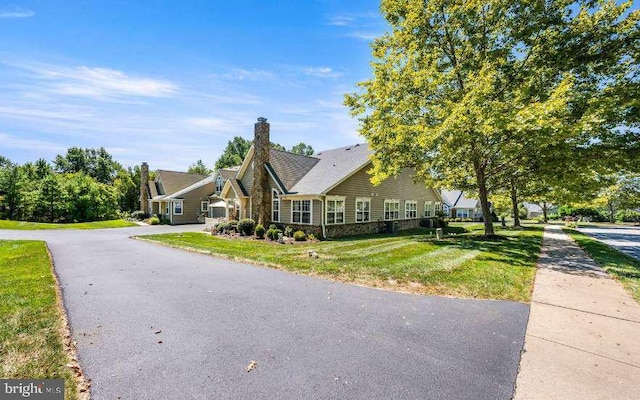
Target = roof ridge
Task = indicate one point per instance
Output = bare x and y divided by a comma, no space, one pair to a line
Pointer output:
295,154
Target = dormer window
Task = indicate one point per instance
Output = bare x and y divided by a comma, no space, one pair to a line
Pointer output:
219,183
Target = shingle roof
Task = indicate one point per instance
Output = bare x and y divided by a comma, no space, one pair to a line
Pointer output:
457,199
332,167
290,168
173,181
153,189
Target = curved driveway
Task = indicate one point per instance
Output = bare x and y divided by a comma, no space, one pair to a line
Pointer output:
153,322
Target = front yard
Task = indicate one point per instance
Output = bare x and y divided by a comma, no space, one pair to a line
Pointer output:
29,226
461,265
34,341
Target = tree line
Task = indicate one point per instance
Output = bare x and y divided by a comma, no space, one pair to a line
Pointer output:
82,185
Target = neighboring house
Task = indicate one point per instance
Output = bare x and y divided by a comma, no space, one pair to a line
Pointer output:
533,210
179,197
457,205
328,193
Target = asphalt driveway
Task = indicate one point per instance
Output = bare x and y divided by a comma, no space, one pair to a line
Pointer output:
625,239
158,323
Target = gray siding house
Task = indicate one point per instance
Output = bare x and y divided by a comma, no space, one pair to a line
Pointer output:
328,194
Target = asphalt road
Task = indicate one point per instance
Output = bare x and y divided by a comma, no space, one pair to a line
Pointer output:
625,239
310,338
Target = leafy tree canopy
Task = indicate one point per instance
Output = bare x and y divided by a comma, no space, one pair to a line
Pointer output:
199,167
96,163
461,90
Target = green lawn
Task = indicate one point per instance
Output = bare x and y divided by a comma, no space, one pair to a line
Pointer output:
30,226
32,328
622,266
462,265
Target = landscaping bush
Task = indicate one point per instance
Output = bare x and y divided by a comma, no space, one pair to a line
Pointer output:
628,216
592,213
299,236
154,220
272,234
288,231
232,226
273,226
221,227
139,215
246,226
311,237
259,232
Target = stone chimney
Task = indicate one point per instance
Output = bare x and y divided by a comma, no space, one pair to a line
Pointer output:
261,192
144,187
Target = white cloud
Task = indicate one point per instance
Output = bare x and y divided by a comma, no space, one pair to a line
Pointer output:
104,83
241,74
368,36
17,13
340,20
321,72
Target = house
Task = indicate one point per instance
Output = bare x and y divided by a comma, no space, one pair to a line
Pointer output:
179,197
328,194
458,205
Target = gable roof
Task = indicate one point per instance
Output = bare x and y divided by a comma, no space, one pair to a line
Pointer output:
457,199
289,168
173,181
333,167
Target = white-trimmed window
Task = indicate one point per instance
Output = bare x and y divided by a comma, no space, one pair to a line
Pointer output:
391,210
410,209
437,207
177,207
335,210
275,206
219,184
166,208
301,211
204,206
363,209
428,209
462,213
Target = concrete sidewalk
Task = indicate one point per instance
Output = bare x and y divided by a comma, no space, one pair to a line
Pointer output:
583,336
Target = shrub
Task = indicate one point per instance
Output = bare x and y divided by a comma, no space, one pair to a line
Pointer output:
311,237
246,226
259,231
628,216
299,236
221,227
139,215
273,233
272,226
288,231
154,220
232,226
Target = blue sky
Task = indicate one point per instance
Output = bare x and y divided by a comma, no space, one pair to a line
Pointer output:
171,82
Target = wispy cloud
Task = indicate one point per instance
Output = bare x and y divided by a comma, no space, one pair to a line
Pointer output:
340,20
362,26
16,13
104,83
321,72
240,74
29,144
363,35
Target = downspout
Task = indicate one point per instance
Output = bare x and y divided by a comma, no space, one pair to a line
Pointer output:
171,212
322,215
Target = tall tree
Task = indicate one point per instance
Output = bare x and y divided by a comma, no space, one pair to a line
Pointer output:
302,148
234,153
199,167
461,89
97,163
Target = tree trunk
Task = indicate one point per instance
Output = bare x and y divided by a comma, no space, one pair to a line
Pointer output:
612,214
514,204
544,212
484,199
